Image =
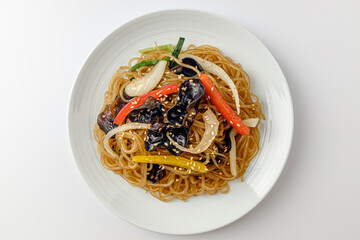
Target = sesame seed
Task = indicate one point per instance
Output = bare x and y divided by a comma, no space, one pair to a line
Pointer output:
231,122
212,89
238,125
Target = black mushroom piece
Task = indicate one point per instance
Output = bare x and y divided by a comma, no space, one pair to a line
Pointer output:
184,111
187,71
156,137
106,118
148,112
155,174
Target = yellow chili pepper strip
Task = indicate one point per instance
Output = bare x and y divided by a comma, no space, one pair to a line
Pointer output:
172,160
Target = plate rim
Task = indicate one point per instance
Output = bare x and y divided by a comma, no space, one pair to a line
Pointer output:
130,22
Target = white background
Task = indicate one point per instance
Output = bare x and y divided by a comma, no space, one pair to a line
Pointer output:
43,45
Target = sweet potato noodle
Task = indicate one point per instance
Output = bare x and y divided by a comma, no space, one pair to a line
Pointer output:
178,182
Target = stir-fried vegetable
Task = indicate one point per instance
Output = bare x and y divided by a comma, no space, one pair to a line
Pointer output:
156,173
222,106
156,137
177,51
251,122
183,113
151,110
172,64
140,86
172,160
232,154
122,128
144,63
168,47
218,71
137,102
211,130
187,72
106,118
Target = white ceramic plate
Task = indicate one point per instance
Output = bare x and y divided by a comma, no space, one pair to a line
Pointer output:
201,213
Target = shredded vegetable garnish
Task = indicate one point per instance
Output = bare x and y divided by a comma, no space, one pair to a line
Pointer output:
218,71
172,160
144,63
124,112
251,122
140,86
222,106
177,51
122,128
211,130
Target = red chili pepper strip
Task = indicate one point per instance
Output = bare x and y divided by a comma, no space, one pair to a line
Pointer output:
222,106
137,102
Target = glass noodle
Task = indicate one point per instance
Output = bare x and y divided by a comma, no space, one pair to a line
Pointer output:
182,183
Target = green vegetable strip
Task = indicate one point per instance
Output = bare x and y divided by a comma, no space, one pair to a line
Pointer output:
177,51
144,63
161,47
171,48
172,64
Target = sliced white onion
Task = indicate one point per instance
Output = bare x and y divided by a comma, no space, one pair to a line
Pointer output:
122,128
215,69
145,84
211,130
251,122
232,153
